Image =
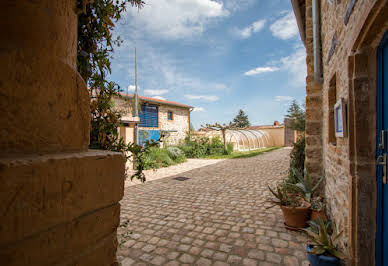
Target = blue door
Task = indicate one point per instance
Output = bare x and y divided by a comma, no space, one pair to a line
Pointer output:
145,135
382,148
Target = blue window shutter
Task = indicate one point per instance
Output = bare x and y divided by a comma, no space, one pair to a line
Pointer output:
149,116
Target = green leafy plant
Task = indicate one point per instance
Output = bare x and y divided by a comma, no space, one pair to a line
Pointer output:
222,128
323,241
297,158
304,184
229,148
96,22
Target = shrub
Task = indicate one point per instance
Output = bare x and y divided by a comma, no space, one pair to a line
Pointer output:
176,154
297,158
157,157
229,148
215,147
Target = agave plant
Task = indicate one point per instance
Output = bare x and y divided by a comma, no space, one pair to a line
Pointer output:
284,199
323,241
304,184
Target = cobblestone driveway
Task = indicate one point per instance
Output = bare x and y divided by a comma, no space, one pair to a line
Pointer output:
217,217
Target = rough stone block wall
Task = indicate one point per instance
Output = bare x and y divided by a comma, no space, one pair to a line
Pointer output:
181,122
347,163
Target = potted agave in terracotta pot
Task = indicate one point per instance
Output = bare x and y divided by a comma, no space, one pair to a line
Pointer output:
296,210
322,250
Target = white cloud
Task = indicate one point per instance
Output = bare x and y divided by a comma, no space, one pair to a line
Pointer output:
235,5
159,97
295,64
131,88
155,92
261,70
285,27
199,109
248,31
176,19
210,98
283,98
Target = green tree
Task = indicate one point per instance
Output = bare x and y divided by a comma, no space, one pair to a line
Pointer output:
96,22
241,120
297,115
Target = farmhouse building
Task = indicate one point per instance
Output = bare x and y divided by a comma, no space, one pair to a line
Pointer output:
159,119
346,117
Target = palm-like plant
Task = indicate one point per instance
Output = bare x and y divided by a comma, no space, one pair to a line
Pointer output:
323,242
304,184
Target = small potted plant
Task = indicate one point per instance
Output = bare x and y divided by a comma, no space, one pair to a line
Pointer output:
317,209
322,250
296,210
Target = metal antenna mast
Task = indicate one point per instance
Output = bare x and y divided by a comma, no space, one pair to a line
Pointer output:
136,95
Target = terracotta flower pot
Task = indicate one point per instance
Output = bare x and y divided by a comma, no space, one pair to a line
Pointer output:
318,215
296,217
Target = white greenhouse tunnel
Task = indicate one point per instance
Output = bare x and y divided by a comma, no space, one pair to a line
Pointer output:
248,139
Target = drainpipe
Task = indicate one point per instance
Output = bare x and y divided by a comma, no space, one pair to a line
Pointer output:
317,42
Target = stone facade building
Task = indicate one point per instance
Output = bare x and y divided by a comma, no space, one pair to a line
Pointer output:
347,63
159,119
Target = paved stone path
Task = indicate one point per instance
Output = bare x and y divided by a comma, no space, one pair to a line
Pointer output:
217,217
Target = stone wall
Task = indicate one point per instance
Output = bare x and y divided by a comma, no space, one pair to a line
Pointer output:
348,163
59,199
180,123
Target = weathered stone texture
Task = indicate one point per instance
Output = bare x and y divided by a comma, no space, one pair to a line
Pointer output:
39,192
60,201
348,164
44,103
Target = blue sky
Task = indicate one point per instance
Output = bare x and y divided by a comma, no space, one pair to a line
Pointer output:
218,56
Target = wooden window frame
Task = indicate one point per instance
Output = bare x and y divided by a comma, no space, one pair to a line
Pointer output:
168,115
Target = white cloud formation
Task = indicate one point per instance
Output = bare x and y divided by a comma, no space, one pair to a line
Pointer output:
253,28
155,92
131,88
285,27
199,109
283,98
235,5
295,65
159,97
261,70
210,98
176,19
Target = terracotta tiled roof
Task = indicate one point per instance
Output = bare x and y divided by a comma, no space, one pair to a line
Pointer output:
155,100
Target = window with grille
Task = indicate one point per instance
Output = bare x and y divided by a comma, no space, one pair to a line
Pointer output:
149,116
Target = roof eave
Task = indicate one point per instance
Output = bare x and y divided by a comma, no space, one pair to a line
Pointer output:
296,5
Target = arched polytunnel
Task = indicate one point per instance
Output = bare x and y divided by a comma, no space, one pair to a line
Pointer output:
248,139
